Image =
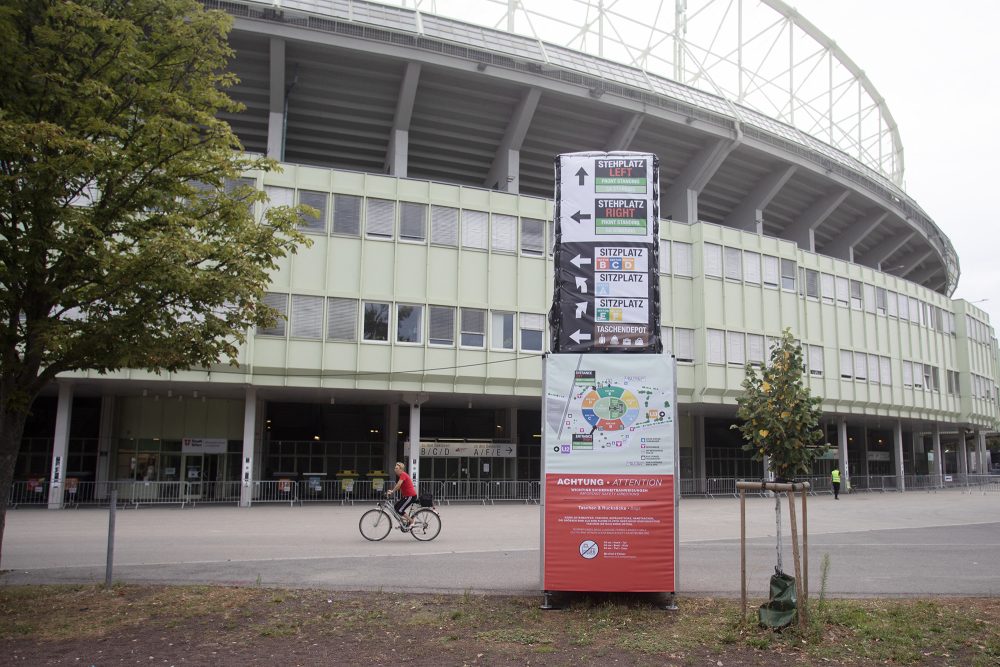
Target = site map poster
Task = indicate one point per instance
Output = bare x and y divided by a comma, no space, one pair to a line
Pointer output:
609,473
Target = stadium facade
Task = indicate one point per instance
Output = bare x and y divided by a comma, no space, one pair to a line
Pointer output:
427,144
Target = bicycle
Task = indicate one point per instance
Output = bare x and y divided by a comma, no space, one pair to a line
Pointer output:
375,524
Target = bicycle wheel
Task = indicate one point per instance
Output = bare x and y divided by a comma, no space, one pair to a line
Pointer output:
375,525
426,525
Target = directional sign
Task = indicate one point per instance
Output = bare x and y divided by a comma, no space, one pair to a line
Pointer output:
607,292
456,450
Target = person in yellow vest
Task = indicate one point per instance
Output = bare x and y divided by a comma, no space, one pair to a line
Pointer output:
835,478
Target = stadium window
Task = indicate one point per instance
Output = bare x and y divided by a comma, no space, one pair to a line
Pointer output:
952,382
375,326
880,300
444,225
788,270
309,223
347,215
667,337
501,330
279,302
473,327
734,264
771,275
914,310
664,257
503,234
885,370
904,307
278,196
812,283
873,369
409,323
856,302
751,267
917,373
532,236
441,325
928,378
380,218
713,260
860,366
532,326
935,379
716,348
907,374
412,221
846,365
683,258
755,349
736,348
827,290
816,360
891,304
475,229
843,291
341,319
684,344
307,317
869,292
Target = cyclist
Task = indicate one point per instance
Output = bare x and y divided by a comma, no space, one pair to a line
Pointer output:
408,494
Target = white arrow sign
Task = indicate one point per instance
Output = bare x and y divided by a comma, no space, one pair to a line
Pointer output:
581,309
577,336
581,284
579,261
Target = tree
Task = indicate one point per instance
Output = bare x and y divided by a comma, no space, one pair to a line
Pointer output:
780,419
126,240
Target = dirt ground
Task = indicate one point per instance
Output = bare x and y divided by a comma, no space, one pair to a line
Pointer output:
155,625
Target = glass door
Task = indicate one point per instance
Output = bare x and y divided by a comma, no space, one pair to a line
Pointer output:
193,467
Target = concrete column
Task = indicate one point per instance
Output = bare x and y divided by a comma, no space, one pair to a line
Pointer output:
981,452
938,467
963,454
897,440
698,424
249,439
415,400
105,445
60,445
916,446
512,435
845,469
391,437
276,103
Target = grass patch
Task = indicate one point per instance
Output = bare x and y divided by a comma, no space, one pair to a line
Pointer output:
35,621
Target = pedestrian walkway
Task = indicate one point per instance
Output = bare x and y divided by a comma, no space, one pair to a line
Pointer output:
897,544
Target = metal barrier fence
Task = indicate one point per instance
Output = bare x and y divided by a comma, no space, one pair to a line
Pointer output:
35,493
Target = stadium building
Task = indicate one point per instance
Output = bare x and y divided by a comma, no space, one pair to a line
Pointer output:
426,138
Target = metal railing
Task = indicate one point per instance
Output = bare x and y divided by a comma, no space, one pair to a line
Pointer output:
35,492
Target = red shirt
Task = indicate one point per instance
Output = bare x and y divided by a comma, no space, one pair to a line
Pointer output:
406,489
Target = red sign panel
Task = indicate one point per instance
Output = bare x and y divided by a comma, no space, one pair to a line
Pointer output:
609,533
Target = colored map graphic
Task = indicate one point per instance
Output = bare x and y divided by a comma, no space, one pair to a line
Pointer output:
610,408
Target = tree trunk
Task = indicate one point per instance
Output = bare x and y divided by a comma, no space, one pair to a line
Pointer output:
12,423
777,525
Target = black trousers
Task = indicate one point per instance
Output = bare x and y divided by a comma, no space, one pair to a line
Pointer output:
836,490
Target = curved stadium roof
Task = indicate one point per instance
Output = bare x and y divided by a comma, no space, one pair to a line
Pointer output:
753,108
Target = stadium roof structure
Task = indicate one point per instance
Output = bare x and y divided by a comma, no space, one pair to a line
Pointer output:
760,121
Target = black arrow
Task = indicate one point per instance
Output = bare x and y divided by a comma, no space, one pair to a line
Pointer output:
578,216
582,175
509,450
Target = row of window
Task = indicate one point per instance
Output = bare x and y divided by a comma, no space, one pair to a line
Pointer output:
304,318
756,269
387,219
978,331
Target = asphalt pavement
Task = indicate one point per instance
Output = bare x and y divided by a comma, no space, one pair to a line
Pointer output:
910,544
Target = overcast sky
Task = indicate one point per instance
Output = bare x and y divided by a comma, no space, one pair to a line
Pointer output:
937,66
